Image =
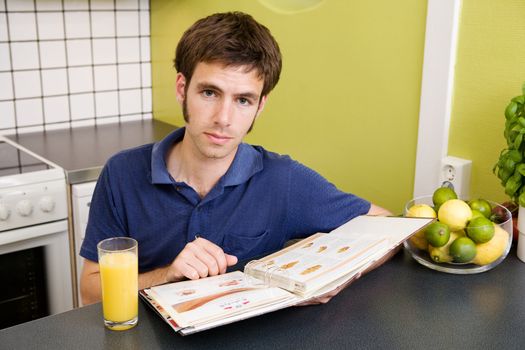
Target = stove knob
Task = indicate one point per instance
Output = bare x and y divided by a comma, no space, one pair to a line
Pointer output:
4,212
24,207
47,204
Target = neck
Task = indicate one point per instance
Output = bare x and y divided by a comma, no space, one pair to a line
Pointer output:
199,172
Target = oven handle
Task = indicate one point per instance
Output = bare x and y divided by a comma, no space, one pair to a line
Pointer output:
25,233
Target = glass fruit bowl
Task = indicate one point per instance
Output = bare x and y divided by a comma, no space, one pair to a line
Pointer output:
500,215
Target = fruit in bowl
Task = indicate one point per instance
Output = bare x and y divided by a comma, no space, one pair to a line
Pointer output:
467,236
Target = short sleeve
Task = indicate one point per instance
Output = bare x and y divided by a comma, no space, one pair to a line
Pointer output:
316,205
104,220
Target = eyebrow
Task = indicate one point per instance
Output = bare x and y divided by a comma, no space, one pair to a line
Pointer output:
210,86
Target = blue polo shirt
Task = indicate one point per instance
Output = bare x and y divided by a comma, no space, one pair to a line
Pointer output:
263,200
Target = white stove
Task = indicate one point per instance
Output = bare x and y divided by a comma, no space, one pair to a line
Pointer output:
34,240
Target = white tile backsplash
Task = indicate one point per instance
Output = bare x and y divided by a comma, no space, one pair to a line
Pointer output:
104,51
22,26
106,104
7,115
27,84
102,5
129,76
54,82
52,54
50,25
106,78
49,5
80,79
82,106
20,5
76,5
127,4
102,23
146,100
128,50
128,23
5,57
146,74
67,63
79,52
130,101
3,27
77,24
6,82
29,112
144,23
56,109
25,55
145,49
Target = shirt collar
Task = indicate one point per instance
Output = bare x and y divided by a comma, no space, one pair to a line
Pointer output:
247,162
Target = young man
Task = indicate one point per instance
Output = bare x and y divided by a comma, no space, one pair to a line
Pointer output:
200,200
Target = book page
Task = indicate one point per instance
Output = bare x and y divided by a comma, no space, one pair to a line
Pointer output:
313,258
395,229
191,303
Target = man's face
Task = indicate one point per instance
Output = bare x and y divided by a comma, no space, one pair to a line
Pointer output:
220,105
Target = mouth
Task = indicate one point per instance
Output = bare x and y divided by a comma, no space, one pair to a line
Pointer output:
217,138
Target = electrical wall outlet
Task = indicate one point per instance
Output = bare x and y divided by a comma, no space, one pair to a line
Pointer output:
456,172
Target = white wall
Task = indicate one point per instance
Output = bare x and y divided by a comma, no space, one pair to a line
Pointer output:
67,63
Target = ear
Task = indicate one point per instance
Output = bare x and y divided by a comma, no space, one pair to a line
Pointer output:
262,103
180,87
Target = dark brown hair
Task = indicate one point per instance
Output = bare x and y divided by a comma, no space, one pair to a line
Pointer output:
233,39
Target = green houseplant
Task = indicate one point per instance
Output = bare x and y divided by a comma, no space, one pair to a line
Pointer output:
510,167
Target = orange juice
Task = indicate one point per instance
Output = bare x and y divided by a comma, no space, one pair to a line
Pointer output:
119,281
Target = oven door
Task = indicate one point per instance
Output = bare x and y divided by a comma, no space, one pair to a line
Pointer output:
41,253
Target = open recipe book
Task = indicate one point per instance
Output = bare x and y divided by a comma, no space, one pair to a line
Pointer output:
307,269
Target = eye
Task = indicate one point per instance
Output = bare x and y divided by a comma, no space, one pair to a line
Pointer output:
244,101
208,93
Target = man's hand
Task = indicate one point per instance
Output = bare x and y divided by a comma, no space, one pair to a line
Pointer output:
200,258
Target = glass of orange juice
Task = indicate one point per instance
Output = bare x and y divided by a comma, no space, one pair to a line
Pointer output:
118,262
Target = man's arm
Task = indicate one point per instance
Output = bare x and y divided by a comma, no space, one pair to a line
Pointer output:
200,258
378,211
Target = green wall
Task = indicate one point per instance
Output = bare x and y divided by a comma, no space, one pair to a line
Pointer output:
490,70
348,101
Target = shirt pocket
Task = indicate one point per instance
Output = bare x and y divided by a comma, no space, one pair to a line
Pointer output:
245,246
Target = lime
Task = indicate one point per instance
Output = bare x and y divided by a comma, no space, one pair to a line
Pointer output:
440,254
480,230
455,213
462,250
421,211
441,195
476,214
437,234
482,206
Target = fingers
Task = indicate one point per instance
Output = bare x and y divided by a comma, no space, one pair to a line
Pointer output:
201,258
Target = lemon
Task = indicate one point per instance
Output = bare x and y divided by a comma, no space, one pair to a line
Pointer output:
490,251
462,250
441,195
421,211
437,234
455,213
418,240
480,230
441,254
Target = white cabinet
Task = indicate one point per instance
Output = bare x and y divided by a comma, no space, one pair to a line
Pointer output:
81,200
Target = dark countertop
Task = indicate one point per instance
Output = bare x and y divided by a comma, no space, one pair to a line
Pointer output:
83,151
401,305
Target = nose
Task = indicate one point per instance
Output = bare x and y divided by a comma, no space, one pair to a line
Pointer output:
223,114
